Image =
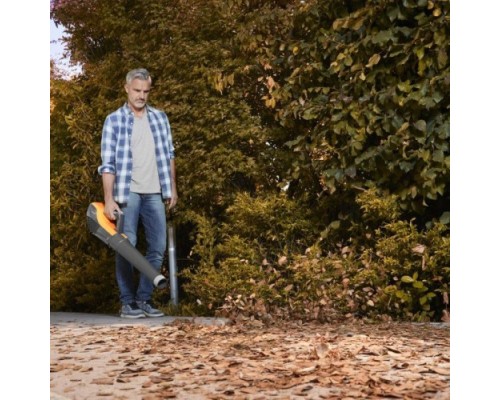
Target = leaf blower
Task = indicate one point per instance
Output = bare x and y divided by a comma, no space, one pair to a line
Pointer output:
110,233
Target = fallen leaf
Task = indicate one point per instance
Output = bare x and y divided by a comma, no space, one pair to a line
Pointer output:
282,260
419,249
321,350
103,381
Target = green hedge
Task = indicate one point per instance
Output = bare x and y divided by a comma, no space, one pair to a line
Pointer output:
312,147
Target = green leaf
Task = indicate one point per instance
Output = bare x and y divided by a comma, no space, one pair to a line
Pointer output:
334,225
403,296
406,166
382,37
374,60
405,86
393,13
339,23
442,58
351,171
309,114
445,218
427,102
437,97
329,172
421,125
420,52
438,156
406,279
357,24
418,285
422,66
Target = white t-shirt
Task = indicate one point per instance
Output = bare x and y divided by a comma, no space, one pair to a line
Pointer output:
145,177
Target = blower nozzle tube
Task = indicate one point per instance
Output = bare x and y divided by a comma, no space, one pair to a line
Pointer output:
105,230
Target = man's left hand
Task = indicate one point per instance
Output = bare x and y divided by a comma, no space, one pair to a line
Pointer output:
172,201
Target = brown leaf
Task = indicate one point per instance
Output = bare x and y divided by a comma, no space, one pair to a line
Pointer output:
440,371
305,371
103,381
321,350
288,288
419,249
168,394
393,349
57,367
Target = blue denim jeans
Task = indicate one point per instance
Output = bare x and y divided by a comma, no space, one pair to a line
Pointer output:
149,209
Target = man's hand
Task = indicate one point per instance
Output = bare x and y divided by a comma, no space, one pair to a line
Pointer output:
109,209
172,201
110,205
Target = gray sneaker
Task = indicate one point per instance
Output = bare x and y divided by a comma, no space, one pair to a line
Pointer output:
148,309
132,311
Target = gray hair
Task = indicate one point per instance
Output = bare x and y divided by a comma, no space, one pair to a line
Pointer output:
138,73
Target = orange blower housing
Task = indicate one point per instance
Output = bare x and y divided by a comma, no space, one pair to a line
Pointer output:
107,231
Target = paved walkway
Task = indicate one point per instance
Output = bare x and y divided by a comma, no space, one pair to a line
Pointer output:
58,318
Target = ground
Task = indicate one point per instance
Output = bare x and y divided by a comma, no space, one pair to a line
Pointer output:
187,360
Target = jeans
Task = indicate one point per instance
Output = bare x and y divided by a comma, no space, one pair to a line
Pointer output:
150,210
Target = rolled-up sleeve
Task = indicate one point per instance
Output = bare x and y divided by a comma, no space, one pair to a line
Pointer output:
170,142
108,148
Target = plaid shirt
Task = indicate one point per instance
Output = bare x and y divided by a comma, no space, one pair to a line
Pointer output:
116,154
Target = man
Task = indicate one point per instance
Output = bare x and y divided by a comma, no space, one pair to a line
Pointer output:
138,175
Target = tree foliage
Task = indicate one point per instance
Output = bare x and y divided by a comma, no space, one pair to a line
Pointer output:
298,125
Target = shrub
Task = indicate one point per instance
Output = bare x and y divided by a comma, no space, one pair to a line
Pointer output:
403,275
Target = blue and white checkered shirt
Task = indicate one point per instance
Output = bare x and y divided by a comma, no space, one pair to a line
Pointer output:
116,153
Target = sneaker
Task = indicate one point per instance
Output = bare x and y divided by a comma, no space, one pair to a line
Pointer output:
131,310
148,309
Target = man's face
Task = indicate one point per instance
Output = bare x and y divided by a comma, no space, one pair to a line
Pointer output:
138,92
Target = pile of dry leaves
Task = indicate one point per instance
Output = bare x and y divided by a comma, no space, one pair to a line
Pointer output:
251,361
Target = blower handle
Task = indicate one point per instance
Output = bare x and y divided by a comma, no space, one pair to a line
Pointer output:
119,221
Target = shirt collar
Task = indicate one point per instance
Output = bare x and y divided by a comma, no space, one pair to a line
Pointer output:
129,111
